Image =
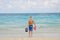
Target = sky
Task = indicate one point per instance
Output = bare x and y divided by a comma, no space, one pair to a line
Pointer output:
29,6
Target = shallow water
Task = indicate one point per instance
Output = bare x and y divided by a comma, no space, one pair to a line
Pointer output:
20,20
13,25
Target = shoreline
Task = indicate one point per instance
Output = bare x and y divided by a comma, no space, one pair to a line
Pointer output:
42,32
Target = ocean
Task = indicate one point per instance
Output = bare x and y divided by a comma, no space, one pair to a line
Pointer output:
20,20
15,21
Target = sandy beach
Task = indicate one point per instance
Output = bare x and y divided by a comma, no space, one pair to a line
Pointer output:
40,34
29,38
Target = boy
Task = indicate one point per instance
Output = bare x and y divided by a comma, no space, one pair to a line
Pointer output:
30,23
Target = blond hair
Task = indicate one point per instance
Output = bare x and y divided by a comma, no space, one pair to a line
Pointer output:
30,16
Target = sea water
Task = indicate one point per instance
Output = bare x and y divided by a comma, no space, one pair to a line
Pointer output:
21,20
13,25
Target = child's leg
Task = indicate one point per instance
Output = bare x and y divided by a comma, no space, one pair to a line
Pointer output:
29,33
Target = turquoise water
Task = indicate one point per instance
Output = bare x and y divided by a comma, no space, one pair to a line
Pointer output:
20,20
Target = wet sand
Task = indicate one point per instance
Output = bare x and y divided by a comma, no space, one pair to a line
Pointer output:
29,38
41,34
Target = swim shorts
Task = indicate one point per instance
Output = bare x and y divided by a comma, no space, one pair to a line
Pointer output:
30,27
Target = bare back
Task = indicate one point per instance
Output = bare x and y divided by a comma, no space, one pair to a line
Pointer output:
31,22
